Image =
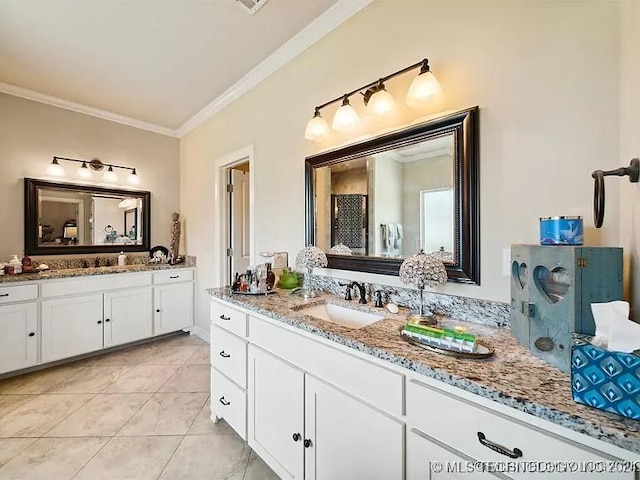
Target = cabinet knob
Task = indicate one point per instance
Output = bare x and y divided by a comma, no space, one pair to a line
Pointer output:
224,402
107,320
296,437
307,443
32,334
222,317
157,310
515,453
223,354
99,322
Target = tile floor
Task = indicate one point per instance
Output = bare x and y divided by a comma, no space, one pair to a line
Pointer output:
135,414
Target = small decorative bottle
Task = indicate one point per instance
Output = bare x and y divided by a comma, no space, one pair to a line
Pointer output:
235,286
271,277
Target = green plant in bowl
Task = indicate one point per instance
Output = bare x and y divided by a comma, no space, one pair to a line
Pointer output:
288,279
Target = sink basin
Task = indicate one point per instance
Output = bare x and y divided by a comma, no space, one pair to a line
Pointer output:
347,317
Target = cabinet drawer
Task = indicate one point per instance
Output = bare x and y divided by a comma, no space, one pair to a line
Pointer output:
229,401
457,423
229,318
229,355
374,384
172,276
18,293
99,283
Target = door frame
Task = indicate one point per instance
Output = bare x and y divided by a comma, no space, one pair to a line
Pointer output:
223,165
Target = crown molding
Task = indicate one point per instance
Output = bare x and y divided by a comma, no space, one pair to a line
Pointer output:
325,23
85,109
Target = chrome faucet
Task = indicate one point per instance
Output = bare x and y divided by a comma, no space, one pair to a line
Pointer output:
362,291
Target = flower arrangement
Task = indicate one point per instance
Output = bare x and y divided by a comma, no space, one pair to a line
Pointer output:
422,270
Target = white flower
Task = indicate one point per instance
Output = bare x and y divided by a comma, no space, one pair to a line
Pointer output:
422,270
310,257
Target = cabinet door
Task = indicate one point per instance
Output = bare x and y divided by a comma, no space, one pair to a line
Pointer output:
173,307
19,339
349,440
276,413
71,326
428,459
127,316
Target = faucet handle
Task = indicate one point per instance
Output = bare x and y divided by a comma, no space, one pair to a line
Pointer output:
378,302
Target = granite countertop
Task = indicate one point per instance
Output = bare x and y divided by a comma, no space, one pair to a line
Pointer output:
513,376
91,271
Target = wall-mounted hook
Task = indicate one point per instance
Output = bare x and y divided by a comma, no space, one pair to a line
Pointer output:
633,171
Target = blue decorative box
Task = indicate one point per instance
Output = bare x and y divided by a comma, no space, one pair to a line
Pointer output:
609,381
561,231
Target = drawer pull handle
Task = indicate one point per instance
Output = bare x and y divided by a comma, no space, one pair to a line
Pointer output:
296,437
4,295
224,402
307,443
223,354
175,276
32,334
515,453
222,317
99,322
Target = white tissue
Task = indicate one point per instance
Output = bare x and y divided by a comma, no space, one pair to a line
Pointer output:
614,330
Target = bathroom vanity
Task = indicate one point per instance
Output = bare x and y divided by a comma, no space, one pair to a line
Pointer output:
319,400
53,316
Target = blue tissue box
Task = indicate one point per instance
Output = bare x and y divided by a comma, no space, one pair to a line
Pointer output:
609,381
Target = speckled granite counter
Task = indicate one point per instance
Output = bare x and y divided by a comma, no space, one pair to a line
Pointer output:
512,377
84,272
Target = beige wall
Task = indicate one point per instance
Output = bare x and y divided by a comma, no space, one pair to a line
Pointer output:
629,148
32,133
546,78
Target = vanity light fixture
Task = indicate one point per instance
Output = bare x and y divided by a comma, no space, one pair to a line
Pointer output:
424,89
86,168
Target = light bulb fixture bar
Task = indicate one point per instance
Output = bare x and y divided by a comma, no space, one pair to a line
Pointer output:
84,171
424,89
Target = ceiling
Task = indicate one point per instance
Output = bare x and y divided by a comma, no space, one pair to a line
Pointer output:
156,61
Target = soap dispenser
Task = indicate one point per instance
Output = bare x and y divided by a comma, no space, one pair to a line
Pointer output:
122,260
16,264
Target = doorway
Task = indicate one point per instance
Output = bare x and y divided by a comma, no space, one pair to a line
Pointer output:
238,220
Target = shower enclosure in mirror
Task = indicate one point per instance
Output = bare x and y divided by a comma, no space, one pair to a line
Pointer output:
372,204
68,218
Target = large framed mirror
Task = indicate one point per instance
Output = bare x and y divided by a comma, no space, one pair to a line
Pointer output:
371,204
65,218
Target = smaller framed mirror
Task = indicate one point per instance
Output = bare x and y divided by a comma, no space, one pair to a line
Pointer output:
64,218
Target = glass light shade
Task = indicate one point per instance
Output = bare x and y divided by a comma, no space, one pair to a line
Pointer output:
317,129
424,88
133,178
84,172
55,169
345,118
110,176
381,103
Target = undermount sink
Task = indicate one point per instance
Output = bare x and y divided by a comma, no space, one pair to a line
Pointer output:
347,317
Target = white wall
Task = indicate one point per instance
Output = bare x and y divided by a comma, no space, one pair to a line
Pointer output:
546,78
32,133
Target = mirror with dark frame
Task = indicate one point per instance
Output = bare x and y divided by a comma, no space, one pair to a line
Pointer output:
65,218
371,204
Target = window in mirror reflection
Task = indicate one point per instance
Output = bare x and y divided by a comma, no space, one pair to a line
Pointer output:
83,218
391,203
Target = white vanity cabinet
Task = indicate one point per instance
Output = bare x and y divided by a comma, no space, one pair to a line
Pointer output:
173,301
19,327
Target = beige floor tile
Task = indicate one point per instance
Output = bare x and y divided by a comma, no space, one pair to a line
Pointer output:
131,458
37,417
183,339
165,414
10,447
9,403
207,457
103,415
90,380
128,356
169,355
52,458
203,425
258,470
38,382
189,378
201,357
143,378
